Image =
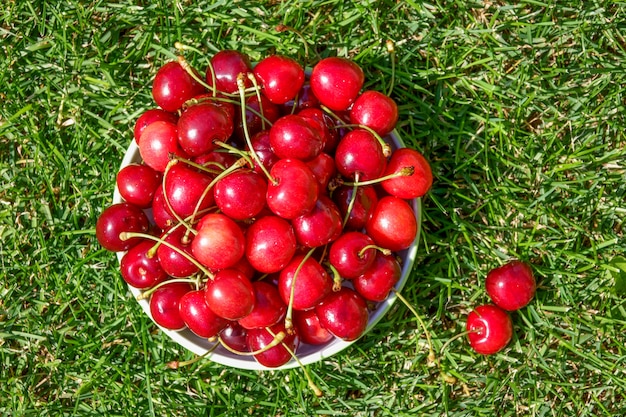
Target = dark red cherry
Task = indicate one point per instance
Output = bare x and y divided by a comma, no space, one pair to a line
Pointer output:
344,313
311,282
220,243
392,224
304,100
408,186
336,82
140,268
241,195
230,294
261,145
294,191
254,122
197,315
359,212
280,78
511,286
275,356
376,282
118,218
309,328
269,308
201,125
324,170
164,305
172,254
270,244
227,64
234,336
173,86
149,116
359,152
162,215
376,111
489,328
137,184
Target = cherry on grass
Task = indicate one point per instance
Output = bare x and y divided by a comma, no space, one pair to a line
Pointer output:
489,329
511,286
173,86
336,82
279,77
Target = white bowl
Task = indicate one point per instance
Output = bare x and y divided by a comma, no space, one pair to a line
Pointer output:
307,354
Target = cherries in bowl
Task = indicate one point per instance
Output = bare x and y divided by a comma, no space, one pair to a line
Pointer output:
304,193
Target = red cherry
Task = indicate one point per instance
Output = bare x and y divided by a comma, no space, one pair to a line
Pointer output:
118,218
197,315
336,82
324,170
241,195
234,336
270,244
311,284
164,305
162,215
227,65
139,269
489,329
172,260
304,100
376,111
309,328
254,122
392,224
350,255
360,152
269,308
149,116
185,189
295,191
364,202
344,314
201,125
158,141
220,243
319,226
292,136
408,186
275,356
280,78
230,294
261,145
511,286
137,184
173,86
376,282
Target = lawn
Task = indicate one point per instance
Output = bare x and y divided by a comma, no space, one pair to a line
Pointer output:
519,107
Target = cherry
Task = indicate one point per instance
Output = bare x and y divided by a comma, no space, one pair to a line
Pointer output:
364,202
161,214
319,226
227,64
352,254
309,328
164,305
173,86
324,170
392,224
310,280
294,189
220,243
280,78
269,307
201,125
254,122
376,111
230,294
119,218
511,286
215,159
261,145
149,116
489,329
359,152
137,184
171,259
293,137
336,82
376,282
234,336
408,186
185,189
139,269
197,315
274,356
344,313
270,244
158,141
323,124
241,194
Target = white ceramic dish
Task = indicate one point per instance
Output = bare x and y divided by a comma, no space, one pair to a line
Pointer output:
307,354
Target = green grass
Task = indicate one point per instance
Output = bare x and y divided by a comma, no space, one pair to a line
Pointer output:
519,107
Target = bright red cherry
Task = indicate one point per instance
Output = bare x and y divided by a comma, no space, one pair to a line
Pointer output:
489,329
227,64
140,269
269,308
137,184
511,286
173,86
359,152
292,136
344,313
164,305
158,141
310,280
241,194
270,244
149,116
376,282
408,186
319,226
336,82
376,111
352,254
295,191
392,224
172,254
259,339
220,243
118,218
280,78
186,189
197,315
230,294
201,125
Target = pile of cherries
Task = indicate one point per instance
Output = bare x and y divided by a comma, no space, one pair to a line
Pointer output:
269,207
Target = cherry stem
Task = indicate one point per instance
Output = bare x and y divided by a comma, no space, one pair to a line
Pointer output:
285,28
236,151
252,79
129,235
352,199
318,392
336,278
392,57
278,338
432,358
403,172
365,248
289,315
255,156
178,364
147,293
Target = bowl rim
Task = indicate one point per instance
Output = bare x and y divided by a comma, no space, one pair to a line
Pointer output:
307,354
